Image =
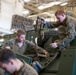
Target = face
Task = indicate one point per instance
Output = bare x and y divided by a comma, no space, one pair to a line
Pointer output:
8,67
61,18
21,38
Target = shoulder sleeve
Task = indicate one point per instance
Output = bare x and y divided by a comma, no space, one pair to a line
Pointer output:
9,43
29,44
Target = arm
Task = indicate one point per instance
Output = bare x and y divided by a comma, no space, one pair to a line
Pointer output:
53,29
39,49
48,25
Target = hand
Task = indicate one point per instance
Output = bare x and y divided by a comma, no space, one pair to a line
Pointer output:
7,47
56,29
42,20
53,45
47,55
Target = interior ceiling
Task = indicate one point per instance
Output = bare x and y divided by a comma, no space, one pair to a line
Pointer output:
32,6
34,11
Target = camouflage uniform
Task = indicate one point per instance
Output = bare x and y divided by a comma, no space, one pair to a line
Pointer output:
66,32
25,70
25,48
2,71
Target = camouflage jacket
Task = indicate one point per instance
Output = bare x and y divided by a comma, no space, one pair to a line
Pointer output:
66,31
25,70
27,47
